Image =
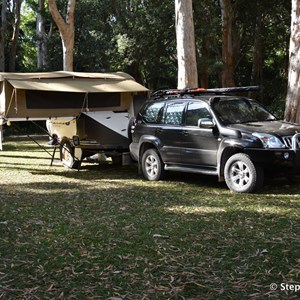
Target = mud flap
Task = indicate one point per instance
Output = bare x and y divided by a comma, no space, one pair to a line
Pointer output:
126,159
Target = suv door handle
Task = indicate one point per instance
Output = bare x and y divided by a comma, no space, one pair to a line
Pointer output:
158,130
185,133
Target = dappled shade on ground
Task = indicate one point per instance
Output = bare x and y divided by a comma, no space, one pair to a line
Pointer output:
105,233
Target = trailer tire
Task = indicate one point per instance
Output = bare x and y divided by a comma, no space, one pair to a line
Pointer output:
67,155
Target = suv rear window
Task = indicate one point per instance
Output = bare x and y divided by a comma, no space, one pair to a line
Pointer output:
173,113
151,113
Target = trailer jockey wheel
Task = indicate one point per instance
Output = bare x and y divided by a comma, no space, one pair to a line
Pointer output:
67,155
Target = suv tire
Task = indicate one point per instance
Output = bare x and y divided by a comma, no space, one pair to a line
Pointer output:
152,165
242,175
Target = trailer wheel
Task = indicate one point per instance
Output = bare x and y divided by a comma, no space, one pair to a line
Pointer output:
67,155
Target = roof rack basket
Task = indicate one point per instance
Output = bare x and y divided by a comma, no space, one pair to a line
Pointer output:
228,90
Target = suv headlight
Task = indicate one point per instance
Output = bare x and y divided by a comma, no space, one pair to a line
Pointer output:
269,141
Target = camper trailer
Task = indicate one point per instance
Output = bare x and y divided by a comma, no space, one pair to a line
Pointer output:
86,113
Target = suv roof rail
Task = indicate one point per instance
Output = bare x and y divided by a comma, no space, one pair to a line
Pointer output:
160,93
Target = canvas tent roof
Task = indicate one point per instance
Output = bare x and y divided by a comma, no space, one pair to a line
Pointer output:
64,74
79,86
27,96
74,82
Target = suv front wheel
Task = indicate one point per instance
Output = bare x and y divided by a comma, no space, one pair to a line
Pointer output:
242,175
152,165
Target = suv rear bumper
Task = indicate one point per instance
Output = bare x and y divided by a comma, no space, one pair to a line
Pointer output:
276,157
134,151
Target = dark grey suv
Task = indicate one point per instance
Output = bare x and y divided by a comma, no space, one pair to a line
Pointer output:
216,133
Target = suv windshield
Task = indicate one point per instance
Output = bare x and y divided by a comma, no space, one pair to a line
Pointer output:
240,110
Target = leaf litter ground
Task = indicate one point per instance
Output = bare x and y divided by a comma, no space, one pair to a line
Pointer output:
105,233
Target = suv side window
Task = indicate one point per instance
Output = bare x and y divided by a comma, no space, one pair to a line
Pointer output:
196,111
152,112
173,113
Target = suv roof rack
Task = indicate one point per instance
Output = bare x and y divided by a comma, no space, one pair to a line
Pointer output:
194,91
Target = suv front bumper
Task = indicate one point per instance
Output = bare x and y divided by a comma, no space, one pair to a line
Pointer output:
285,158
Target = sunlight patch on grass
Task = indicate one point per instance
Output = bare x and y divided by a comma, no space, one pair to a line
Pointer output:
195,209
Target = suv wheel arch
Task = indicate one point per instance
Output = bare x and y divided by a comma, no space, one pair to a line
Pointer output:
223,157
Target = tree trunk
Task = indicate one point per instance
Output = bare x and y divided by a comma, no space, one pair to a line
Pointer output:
257,65
292,108
205,59
186,48
2,35
41,36
228,53
16,30
66,30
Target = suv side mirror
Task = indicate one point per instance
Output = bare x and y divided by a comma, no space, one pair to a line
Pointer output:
206,123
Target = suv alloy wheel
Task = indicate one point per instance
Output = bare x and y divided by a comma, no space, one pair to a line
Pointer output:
242,175
152,166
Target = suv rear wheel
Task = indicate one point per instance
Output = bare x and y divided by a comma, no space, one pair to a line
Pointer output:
152,165
242,175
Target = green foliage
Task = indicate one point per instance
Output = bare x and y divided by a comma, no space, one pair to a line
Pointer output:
28,38
138,37
8,33
275,37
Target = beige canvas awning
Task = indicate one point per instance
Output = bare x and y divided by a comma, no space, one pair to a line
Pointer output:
60,94
79,85
63,74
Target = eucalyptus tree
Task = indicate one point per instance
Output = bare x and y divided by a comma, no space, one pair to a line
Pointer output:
3,35
292,110
42,35
16,7
67,31
186,48
229,41
257,41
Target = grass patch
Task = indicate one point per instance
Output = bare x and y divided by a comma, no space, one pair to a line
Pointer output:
105,233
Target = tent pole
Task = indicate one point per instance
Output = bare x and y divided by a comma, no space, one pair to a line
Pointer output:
10,101
16,102
41,146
